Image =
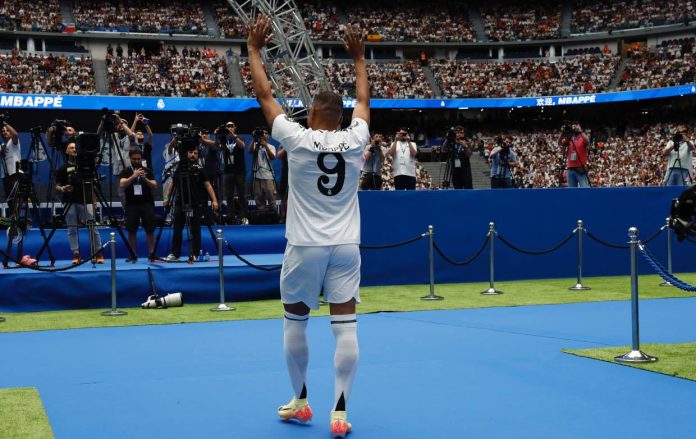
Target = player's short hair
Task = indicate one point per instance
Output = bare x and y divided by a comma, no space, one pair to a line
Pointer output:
328,104
135,151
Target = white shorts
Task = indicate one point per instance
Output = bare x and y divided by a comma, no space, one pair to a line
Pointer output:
307,271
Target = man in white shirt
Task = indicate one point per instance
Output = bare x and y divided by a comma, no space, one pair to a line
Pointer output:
264,180
11,156
679,153
323,222
404,153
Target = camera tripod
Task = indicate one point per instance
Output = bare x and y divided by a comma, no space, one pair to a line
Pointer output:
677,165
90,190
36,148
182,201
109,141
24,194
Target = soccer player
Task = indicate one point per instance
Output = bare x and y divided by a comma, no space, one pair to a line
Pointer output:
323,222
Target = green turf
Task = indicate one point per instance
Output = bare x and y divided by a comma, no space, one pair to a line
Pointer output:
678,360
22,415
375,299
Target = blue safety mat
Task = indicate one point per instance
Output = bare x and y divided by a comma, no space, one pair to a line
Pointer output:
485,373
89,285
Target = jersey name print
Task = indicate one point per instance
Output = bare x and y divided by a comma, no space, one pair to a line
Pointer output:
323,176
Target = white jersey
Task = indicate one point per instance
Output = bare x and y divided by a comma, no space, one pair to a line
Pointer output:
404,163
323,176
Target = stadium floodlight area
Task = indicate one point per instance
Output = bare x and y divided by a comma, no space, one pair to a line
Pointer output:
292,45
146,103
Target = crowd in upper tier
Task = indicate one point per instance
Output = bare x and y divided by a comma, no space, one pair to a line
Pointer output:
39,74
167,72
385,20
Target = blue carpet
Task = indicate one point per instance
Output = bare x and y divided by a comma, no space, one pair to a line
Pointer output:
485,373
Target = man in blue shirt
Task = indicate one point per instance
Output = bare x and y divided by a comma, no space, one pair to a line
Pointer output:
502,159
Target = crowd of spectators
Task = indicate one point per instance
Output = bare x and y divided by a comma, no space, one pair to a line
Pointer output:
605,15
518,23
229,23
629,157
46,74
568,75
35,16
405,80
153,16
166,72
417,24
669,64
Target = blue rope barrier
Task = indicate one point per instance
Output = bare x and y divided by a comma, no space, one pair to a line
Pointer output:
662,272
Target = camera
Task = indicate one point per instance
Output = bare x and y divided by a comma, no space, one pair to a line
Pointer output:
258,133
58,138
683,214
567,129
186,138
4,117
678,138
451,134
87,152
109,120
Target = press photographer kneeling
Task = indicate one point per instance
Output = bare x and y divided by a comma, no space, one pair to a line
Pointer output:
188,196
139,182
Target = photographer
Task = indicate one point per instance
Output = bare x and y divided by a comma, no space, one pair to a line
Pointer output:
502,158
576,143
59,133
11,156
679,153
210,152
80,203
234,171
372,168
191,190
145,145
404,153
111,124
264,183
458,152
139,182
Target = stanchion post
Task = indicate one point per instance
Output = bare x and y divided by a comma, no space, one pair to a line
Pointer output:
222,306
431,266
491,291
635,356
669,254
113,311
579,286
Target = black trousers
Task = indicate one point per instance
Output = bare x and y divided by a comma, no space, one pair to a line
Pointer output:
179,221
406,182
372,181
235,194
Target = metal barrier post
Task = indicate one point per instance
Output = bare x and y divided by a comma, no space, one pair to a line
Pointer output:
491,291
221,306
669,254
431,267
113,311
635,356
579,286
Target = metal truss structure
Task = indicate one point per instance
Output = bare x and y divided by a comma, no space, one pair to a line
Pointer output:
291,62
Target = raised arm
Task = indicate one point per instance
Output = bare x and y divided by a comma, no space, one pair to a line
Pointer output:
355,46
259,36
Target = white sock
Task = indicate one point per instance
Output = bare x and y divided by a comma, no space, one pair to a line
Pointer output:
345,329
296,350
